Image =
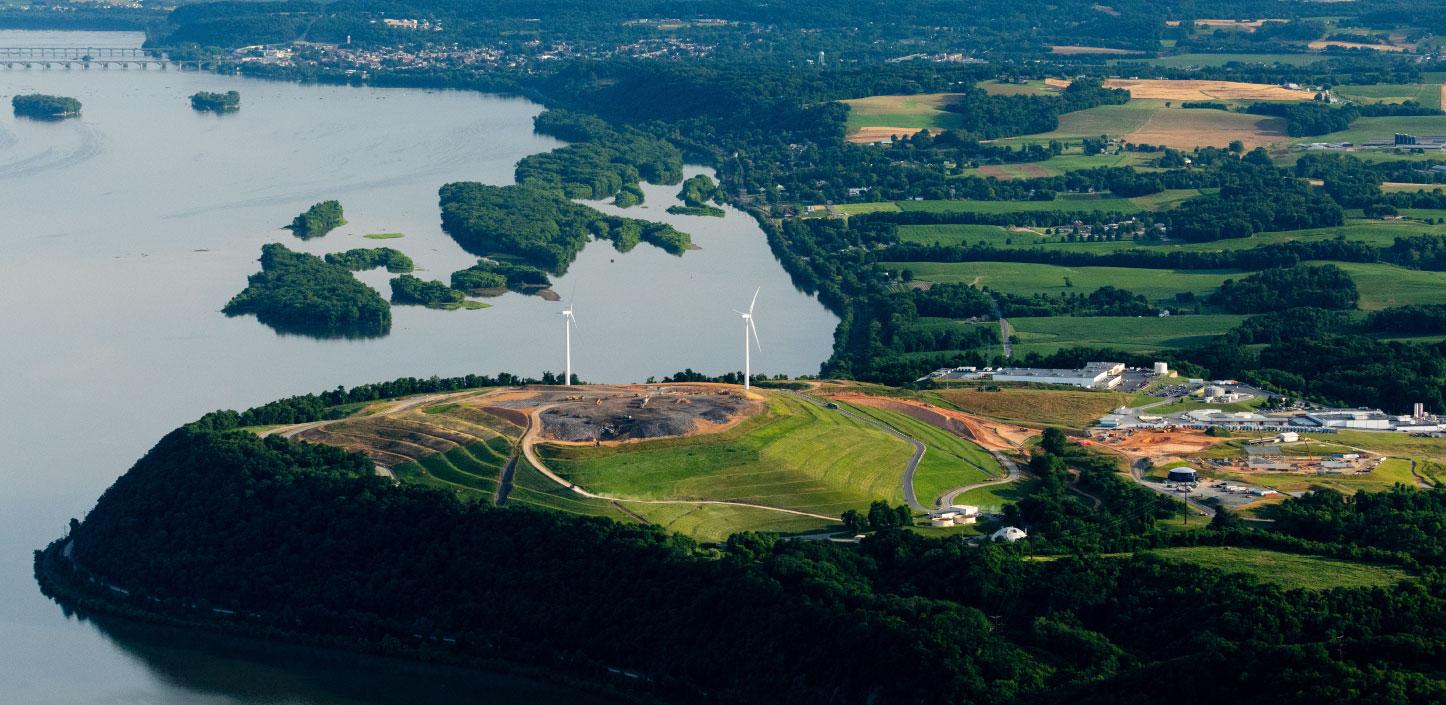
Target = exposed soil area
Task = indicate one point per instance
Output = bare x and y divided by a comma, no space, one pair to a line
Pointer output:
991,435
639,412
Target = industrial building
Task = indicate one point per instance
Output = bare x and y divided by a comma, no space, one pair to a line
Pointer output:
1094,375
1182,475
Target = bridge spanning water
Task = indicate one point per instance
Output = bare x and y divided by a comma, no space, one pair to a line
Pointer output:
91,57
75,52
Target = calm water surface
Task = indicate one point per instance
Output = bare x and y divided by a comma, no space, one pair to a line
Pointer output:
123,233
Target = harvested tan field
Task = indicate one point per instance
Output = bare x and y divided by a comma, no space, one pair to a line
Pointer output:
1071,50
868,135
1166,89
989,434
1187,129
1323,43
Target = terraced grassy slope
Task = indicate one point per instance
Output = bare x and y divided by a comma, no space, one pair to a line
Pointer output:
795,455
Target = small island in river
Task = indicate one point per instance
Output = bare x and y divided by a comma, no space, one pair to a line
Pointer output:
227,102
318,220
364,258
300,293
45,107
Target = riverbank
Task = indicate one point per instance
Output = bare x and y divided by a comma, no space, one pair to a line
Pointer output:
70,586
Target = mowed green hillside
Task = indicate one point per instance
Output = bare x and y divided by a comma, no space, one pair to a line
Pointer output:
949,461
796,455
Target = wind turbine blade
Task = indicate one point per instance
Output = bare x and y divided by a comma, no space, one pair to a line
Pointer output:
739,312
755,299
754,327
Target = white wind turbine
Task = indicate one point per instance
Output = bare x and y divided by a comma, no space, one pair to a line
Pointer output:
749,327
568,321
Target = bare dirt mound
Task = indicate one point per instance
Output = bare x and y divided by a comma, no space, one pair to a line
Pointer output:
1158,446
640,412
991,435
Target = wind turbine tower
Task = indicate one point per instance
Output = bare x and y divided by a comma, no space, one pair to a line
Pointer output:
567,322
749,328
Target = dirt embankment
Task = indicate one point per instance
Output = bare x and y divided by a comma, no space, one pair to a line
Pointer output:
991,435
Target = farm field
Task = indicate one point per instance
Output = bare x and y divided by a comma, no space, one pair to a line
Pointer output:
1368,230
1380,285
1167,89
1065,203
1288,570
796,455
1203,60
1183,128
1011,88
880,117
1427,94
1058,165
1047,335
1072,408
1382,128
1028,278
1070,50
1385,285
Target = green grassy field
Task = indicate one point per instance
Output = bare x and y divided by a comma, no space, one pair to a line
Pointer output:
1064,203
1382,128
1025,88
902,111
996,235
949,462
796,456
1028,278
1288,570
383,236
1073,159
1114,120
1385,285
1046,335
1369,230
1380,285
1427,94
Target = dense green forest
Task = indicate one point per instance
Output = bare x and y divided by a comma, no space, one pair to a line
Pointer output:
300,293
263,531
364,258
317,220
408,289
539,226
45,107
227,102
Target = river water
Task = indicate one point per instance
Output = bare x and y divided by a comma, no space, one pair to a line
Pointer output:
122,234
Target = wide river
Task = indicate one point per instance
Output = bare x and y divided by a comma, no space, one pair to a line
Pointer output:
124,232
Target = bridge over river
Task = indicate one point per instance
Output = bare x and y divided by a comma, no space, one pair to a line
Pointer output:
92,57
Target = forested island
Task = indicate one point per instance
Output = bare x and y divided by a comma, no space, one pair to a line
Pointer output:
539,226
300,293
206,101
408,289
45,107
364,258
317,220
697,195
491,278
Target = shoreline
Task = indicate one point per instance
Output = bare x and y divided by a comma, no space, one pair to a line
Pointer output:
50,568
